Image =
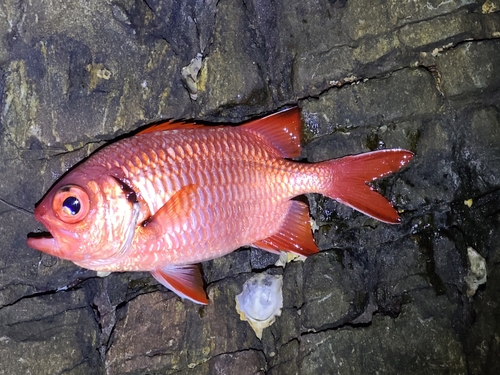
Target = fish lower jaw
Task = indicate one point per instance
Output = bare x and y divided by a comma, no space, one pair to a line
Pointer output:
45,243
49,244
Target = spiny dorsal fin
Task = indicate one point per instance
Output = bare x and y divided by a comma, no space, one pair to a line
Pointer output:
295,234
282,130
170,125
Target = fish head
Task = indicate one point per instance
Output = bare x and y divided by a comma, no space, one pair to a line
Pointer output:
88,216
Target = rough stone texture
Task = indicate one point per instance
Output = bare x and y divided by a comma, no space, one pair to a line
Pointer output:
423,75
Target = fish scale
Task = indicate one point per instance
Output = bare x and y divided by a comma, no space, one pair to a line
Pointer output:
178,193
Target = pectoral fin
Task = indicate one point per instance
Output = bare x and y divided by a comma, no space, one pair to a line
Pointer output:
295,234
185,281
173,215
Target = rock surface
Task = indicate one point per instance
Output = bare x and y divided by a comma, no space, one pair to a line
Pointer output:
422,75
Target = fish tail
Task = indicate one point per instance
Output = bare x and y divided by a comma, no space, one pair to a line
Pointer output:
350,175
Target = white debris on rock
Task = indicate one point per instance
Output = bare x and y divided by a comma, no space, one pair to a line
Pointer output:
287,257
190,75
477,271
261,301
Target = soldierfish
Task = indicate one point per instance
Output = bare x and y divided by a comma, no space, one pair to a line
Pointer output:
180,193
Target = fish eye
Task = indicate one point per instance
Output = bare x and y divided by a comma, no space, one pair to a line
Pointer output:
71,204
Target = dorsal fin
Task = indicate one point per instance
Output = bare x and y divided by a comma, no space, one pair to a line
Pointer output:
281,130
170,125
295,234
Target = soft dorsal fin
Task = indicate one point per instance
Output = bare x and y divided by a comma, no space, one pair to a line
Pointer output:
295,234
185,281
281,129
170,125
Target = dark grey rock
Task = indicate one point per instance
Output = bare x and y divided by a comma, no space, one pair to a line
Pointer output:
470,68
389,345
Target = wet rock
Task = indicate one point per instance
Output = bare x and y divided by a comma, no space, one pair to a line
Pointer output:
422,75
160,331
49,332
478,341
389,345
475,69
232,76
326,302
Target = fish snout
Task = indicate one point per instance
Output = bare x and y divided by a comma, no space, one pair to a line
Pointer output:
44,242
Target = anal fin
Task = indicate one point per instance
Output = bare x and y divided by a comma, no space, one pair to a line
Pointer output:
185,281
294,235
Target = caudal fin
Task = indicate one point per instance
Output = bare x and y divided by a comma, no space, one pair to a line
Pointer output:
351,173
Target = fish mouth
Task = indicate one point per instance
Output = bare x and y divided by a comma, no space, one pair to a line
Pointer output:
44,241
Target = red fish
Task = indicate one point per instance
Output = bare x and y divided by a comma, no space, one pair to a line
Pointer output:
179,193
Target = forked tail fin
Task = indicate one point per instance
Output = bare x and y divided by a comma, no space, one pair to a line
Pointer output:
351,173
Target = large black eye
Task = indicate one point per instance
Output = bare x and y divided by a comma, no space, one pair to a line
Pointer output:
71,206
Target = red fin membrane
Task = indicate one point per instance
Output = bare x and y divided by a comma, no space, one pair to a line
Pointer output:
281,129
295,234
170,125
351,173
172,215
185,281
